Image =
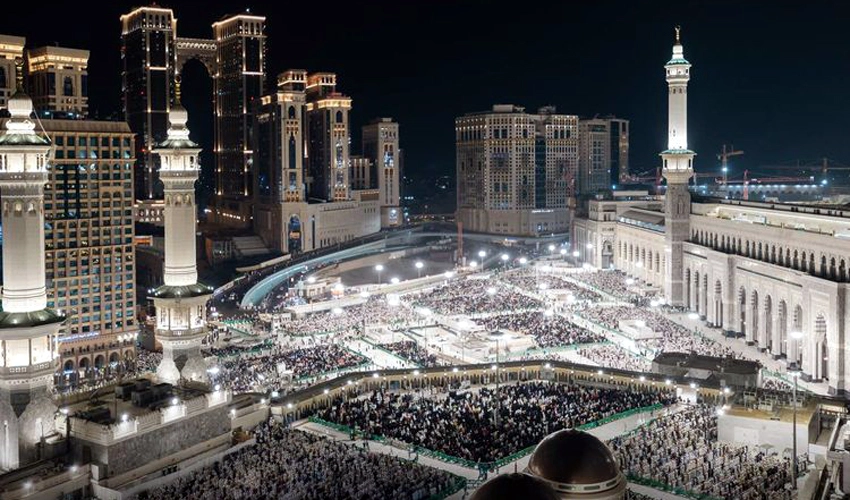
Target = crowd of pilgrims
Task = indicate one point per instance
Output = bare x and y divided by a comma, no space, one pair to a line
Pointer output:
414,352
285,464
472,296
259,371
612,356
611,282
533,281
376,310
547,330
674,337
681,450
462,423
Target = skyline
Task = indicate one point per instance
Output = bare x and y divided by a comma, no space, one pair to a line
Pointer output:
754,80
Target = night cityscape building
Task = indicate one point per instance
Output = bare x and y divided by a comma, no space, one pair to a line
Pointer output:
603,154
11,48
515,170
310,192
153,55
58,81
89,253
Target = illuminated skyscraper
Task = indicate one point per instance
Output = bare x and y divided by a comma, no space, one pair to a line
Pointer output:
58,81
11,48
328,139
380,147
603,153
238,82
235,59
515,170
147,50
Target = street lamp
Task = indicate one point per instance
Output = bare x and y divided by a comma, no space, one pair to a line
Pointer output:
505,258
589,246
563,251
551,247
473,264
576,253
394,280
795,374
419,265
379,268
523,261
481,255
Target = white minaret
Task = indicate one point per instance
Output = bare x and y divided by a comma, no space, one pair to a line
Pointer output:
181,301
28,330
678,169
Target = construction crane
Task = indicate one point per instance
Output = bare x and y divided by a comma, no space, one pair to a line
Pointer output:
747,180
724,156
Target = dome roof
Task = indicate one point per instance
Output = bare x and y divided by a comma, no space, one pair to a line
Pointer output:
572,457
513,486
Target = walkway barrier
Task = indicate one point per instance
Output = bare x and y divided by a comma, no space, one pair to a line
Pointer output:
362,366
557,349
480,466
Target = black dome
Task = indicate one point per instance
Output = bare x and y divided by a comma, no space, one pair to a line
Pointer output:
514,486
574,458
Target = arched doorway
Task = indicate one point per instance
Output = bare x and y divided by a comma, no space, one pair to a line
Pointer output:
704,304
753,332
688,289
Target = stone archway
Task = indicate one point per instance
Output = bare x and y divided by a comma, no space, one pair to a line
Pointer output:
688,289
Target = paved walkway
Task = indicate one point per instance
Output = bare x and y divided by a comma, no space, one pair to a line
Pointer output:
740,345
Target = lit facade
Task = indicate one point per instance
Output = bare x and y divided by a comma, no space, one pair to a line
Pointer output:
58,81
11,48
756,270
381,148
89,243
147,52
302,149
328,139
28,328
235,59
515,170
239,80
603,154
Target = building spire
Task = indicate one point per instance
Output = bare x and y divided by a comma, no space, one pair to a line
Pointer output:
678,34
177,92
19,75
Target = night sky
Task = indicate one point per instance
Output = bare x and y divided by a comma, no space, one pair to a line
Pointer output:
770,77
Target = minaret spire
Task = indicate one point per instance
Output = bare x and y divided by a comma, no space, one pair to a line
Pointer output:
677,169
28,329
181,301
